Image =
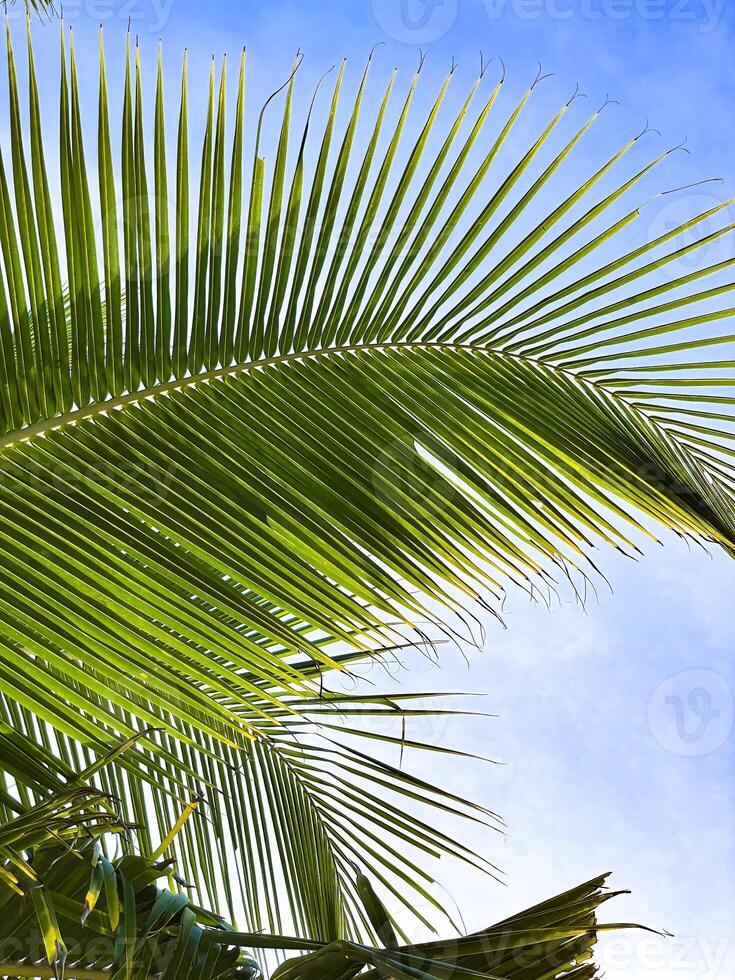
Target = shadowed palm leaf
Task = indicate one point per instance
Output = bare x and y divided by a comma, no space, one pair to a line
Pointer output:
101,920
553,939
329,403
91,914
93,917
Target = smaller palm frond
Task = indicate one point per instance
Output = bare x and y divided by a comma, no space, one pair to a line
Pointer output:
554,939
100,919
84,914
252,829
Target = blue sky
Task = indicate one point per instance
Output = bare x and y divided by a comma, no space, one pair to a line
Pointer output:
600,773
615,722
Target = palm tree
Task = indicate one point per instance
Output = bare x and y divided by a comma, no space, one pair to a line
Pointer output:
252,441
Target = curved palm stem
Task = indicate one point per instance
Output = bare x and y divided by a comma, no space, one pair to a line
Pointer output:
233,370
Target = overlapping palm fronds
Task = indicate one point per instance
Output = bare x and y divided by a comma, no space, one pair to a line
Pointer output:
291,417
95,919
553,939
86,914
76,899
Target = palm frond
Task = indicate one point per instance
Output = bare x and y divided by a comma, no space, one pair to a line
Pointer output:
98,917
553,939
108,920
294,417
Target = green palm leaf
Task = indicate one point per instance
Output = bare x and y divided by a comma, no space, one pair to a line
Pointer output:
222,477
102,919
553,939
97,910
94,917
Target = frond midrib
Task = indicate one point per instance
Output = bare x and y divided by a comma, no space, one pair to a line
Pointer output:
104,408
96,409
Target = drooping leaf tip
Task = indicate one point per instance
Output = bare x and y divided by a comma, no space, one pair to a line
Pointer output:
540,77
576,95
648,128
608,101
